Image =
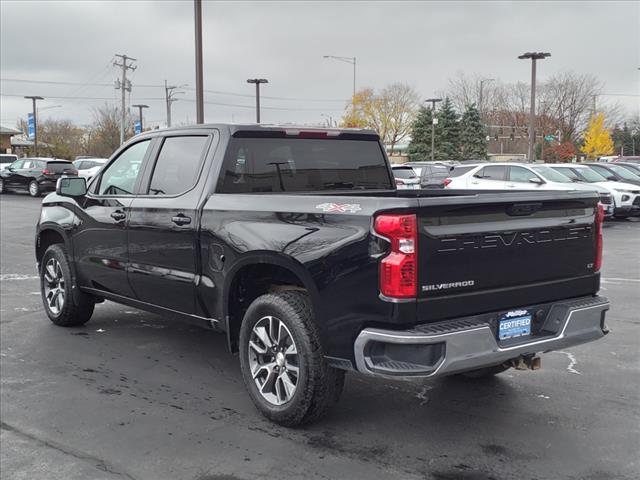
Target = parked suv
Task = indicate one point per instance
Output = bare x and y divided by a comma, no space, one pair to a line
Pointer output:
7,159
510,176
625,196
615,173
35,175
297,245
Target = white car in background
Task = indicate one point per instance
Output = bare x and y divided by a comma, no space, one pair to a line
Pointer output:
510,176
7,159
406,177
88,167
626,196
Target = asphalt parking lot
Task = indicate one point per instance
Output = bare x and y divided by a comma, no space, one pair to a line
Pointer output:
133,395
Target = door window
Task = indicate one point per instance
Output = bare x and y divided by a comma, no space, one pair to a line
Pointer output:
120,177
493,172
17,165
178,165
520,174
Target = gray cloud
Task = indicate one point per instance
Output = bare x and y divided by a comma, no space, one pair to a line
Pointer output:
421,43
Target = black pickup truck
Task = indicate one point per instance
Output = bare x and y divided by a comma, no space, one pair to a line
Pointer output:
297,245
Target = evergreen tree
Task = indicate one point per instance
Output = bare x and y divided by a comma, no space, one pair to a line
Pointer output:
622,140
420,147
473,140
447,133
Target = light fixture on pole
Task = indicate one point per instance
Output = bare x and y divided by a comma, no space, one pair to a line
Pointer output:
257,82
534,56
140,107
352,61
434,122
34,99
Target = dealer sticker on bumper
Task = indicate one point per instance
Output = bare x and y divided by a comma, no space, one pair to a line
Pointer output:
514,324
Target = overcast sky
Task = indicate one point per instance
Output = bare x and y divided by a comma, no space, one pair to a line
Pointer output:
421,43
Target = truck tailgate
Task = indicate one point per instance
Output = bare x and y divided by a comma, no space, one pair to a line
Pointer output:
495,251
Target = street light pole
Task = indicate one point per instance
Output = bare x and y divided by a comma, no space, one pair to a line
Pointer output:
257,82
199,82
35,98
352,61
140,107
534,56
434,122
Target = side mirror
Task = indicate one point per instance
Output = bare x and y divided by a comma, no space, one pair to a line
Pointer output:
536,180
71,187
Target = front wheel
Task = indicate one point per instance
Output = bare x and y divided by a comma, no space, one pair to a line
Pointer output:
282,360
34,189
63,307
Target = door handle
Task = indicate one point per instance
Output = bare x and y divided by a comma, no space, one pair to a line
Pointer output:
118,215
181,219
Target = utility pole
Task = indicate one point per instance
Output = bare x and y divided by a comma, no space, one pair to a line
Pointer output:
352,61
34,99
199,85
257,81
434,122
125,86
534,56
169,94
140,107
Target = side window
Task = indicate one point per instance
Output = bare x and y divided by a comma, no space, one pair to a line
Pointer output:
28,164
17,165
520,174
602,171
120,178
178,165
493,172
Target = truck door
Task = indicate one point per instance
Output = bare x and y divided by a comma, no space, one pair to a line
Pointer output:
100,246
163,226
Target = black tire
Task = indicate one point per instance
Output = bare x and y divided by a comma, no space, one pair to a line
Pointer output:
486,372
318,385
77,307
34,188
2,190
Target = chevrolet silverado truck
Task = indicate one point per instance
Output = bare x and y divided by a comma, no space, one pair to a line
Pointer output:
296,244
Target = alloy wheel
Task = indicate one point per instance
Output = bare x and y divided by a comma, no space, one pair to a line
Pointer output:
273,360
54,286
33,189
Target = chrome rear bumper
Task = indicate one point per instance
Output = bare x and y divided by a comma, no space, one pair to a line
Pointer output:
455,346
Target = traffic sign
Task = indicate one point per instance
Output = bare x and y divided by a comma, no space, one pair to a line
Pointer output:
31,125
137,127
549,138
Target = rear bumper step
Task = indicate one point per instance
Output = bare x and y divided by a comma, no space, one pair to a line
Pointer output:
454,346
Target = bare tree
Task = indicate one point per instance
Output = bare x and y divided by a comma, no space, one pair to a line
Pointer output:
103,137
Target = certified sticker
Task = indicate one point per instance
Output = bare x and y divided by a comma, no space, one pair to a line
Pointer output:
339,207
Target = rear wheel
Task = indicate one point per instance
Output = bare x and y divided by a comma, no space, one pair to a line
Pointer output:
34,189
282,360
63,306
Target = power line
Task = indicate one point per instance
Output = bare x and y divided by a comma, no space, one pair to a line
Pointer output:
222,104
152,85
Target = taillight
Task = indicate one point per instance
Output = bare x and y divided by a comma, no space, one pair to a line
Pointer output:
399,269
599,222
46,172
446,182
